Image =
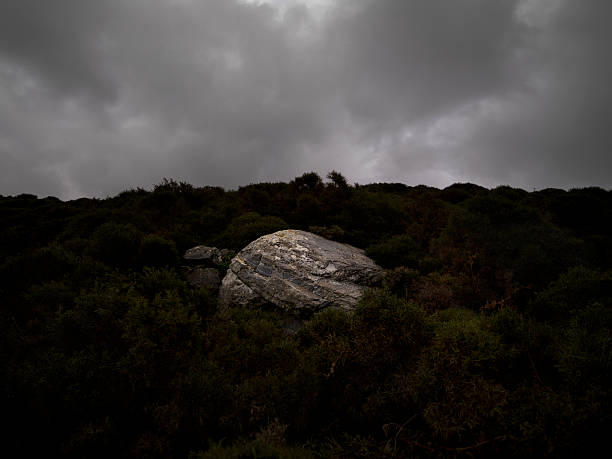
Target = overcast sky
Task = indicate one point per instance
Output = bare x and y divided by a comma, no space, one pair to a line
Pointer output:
98,96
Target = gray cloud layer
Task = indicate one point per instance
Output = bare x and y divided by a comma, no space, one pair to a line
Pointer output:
99,96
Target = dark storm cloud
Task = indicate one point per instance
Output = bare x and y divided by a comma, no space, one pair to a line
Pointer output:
60,40
556,133
99,96
411,60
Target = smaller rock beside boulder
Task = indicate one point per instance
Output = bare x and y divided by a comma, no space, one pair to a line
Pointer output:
202,277
203,262
202,254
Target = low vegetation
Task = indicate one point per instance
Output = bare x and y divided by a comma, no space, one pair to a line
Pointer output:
491,335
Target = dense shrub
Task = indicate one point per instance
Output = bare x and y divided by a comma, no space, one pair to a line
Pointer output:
574,290
157,251
116,244
397,251
247,228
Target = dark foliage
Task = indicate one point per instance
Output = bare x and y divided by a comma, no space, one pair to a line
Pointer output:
491,337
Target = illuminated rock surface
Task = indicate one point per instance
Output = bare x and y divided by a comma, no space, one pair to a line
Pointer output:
298,272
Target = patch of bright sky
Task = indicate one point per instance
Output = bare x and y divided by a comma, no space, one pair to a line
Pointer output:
17,80
317,8
537,13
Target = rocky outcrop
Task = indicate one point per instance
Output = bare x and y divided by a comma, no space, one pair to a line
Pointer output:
202,254
202,277
203,262
298,272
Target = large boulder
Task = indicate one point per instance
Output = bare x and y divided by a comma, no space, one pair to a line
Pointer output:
298,272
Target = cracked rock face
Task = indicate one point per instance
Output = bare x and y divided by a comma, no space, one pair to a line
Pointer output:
298,272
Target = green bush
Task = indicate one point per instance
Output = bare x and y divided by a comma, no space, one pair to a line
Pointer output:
586,353
397,251
454,382
41,265
248,227
157,251
574,290
116,244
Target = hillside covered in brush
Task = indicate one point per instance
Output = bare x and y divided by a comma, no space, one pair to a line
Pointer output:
491,334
